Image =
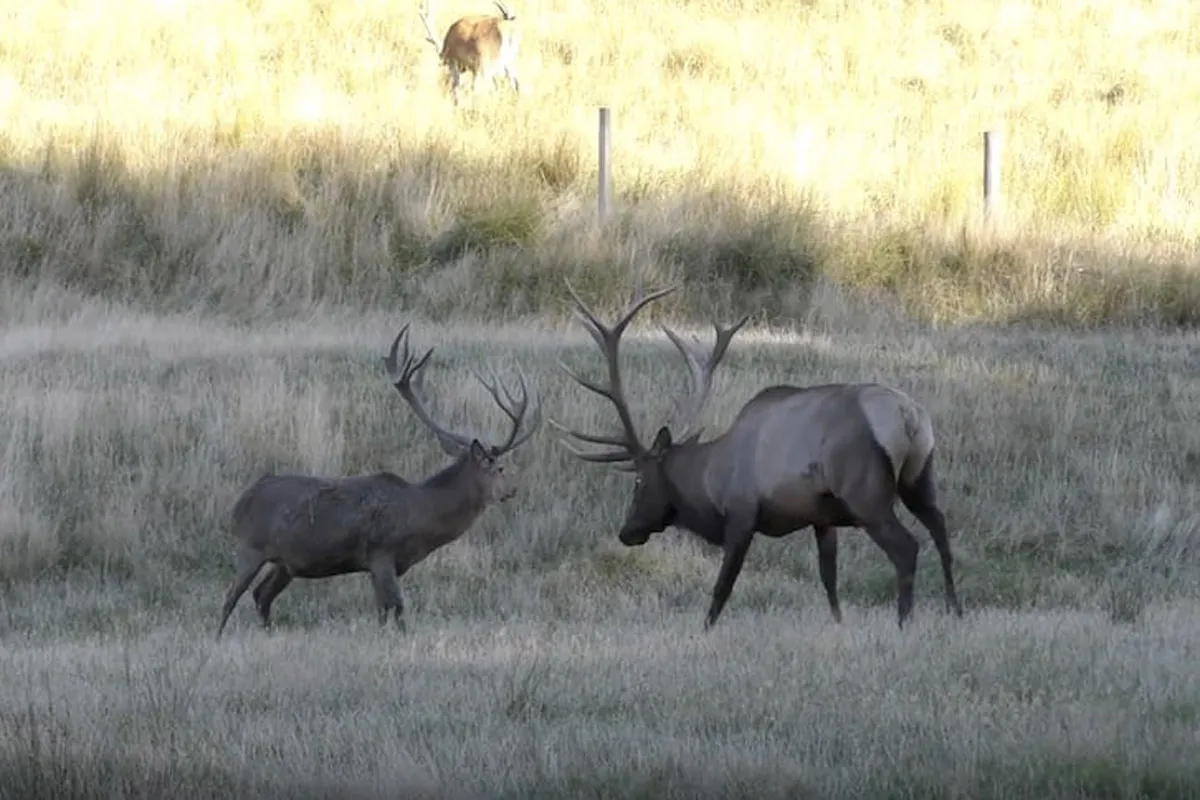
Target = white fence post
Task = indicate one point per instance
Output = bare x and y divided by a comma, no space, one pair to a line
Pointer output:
991,173
604,190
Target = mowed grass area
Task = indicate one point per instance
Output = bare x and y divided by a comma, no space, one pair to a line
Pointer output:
777,704
543,658
263,156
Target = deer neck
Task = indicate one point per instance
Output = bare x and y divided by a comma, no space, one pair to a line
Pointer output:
454,499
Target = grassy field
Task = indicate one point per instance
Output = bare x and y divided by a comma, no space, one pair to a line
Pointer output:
214,216
544,659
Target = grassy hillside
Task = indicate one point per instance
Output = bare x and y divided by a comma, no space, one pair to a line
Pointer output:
271,154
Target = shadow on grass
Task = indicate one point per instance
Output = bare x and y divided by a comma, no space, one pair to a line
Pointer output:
70,777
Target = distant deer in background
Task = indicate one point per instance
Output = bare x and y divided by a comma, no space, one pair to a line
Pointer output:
309,527
482,44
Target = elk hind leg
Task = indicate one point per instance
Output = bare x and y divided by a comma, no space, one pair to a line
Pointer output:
276,580
249,562
921,499
827,563
902,549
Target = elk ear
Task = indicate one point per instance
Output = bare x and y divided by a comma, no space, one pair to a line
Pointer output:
662,441
478,451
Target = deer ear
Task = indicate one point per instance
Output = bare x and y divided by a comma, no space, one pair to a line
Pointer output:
661,442
478,451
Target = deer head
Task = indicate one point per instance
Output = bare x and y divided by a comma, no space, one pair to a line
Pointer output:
406,371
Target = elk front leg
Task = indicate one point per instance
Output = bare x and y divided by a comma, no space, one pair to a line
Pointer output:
827,549
387,591
737,544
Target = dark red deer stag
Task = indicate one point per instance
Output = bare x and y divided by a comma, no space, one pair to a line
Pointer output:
309,527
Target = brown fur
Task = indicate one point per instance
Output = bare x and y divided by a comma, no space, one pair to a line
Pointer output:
824,457
483,45
301,526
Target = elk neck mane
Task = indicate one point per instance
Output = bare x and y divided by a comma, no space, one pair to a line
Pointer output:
694,509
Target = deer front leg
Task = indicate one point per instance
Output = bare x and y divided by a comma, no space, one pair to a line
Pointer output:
827,550
737,544
387,591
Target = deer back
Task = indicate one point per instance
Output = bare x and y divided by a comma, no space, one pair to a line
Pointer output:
478,39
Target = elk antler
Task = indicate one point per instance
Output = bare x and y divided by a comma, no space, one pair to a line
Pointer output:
609,339
514,408
504,10
424,15
700,375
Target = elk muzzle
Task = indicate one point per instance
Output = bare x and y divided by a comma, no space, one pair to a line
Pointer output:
632,537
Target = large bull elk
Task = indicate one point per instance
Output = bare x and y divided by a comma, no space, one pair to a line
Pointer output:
827,456
481,44
381,524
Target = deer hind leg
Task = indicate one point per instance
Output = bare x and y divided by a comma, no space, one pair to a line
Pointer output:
276,580
387,591
921,499
827,550
249,562
455,81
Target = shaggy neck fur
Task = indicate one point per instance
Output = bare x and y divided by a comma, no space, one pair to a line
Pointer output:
684,467
457,493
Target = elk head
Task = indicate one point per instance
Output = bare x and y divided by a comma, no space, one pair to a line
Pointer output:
406,371
654,504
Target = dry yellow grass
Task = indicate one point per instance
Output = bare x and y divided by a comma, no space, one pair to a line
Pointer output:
279,152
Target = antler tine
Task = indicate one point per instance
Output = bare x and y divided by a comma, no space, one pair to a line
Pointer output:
424,16
599,458
407,374
515,408
608,338
531,426
700,375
